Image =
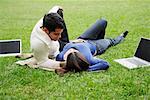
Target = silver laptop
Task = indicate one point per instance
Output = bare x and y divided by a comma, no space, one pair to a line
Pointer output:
141,57
10,47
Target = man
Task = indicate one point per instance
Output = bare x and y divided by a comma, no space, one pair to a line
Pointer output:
45,36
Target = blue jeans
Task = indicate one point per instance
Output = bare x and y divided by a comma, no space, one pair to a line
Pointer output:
96,31
103,44
95,35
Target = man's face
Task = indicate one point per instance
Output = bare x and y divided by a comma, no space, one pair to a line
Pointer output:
56,35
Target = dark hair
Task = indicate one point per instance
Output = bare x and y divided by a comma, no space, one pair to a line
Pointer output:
76,62
52,21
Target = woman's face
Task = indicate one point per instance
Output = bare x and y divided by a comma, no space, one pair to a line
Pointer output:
68,52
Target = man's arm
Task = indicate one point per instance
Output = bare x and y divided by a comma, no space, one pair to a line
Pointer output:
41,53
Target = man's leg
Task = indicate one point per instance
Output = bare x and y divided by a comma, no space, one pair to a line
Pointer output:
103,44
64,35
96,31
64,38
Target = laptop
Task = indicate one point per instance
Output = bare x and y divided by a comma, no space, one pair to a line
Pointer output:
10,47
141,57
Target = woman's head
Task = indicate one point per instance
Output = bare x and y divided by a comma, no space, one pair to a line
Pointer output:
76,62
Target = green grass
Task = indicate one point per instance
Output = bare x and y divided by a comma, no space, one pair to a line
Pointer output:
17,18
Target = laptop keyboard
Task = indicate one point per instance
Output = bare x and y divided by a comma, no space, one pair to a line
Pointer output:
136,62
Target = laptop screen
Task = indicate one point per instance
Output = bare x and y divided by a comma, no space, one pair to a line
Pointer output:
10,47
143,50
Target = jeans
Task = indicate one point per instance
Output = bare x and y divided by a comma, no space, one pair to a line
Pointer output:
95,35
103,44
96,31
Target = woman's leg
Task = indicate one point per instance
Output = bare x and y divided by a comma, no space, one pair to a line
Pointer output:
96,31
103,44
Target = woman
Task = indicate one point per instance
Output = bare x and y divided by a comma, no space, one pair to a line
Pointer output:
80,56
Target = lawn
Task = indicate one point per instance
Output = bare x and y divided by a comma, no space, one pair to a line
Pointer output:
18,17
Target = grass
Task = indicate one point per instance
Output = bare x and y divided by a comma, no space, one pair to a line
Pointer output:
17,18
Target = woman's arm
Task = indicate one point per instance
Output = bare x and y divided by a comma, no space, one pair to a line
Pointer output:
98,64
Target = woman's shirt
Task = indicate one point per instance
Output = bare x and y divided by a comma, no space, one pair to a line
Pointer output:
87,50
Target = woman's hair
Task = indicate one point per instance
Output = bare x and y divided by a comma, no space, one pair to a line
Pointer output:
76,62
